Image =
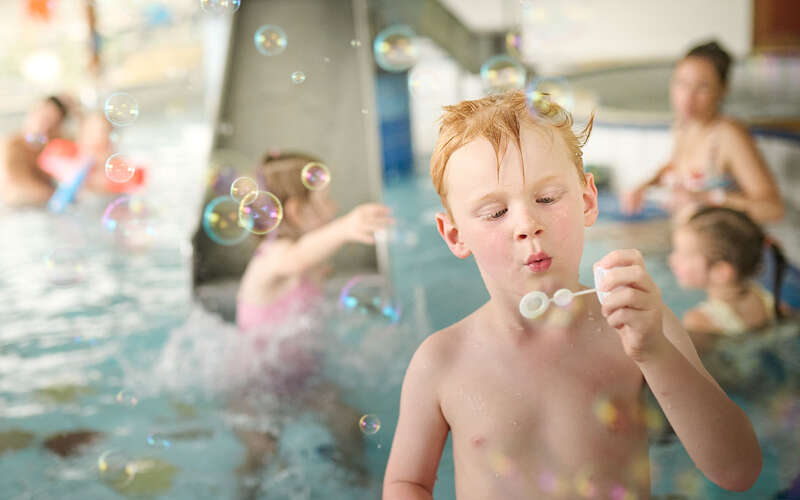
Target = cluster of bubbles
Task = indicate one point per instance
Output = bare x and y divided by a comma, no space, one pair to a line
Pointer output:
369,295
245,208
369,424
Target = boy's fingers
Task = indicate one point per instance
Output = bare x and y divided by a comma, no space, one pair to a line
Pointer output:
624,257
625,297
629,276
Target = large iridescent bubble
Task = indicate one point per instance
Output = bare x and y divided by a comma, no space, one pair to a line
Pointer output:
394,48
556,89
260,212
131,221
270,40
221,221
369,295
121,109
502,73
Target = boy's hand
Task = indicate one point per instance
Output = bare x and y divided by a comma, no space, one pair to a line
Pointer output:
633,306
361,223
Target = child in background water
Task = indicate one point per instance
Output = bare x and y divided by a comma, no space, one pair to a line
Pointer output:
719,250
277,294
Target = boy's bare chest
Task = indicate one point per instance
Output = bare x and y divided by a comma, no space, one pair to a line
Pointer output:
564,405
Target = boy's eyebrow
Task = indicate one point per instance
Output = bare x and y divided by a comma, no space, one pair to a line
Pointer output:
493,195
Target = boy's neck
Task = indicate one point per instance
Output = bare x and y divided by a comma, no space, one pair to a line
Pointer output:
728,292
504,320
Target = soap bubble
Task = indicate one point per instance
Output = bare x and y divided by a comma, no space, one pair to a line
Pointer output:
270,40
260,212
119,168
130,220
315,176
502,73
355,43
219,6
394,48
369,424
241,187
422,82
224,167
126,397
121,109
65,267
158,440
556,89
298,77
514,43
221,220
369,294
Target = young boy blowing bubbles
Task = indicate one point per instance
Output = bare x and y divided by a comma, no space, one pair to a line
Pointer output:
550,407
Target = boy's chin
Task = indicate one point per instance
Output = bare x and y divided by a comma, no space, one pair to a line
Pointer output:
547,283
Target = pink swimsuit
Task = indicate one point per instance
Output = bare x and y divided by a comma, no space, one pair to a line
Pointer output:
277,339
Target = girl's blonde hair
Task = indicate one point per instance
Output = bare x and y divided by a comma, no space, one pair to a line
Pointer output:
280,174
499,118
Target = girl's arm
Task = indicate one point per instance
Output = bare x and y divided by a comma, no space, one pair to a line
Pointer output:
759,197
316,246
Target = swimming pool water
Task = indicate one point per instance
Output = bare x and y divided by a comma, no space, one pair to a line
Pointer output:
125,352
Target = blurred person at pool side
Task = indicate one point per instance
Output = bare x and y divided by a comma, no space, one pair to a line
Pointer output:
714,160
719,250
22,182
278,299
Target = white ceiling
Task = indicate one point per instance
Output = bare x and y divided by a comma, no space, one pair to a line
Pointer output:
486,15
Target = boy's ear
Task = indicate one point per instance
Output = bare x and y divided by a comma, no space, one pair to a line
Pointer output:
449,233
590,209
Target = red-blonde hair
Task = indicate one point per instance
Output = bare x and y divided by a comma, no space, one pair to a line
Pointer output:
500,118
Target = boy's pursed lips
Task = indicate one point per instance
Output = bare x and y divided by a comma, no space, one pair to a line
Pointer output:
538,262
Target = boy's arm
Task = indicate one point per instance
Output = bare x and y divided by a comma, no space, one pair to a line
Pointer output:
420,435
715,432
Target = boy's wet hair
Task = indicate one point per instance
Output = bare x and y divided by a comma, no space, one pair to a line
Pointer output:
716,55
500,118
732,236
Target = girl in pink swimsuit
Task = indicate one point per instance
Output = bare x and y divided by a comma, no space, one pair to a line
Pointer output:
278,309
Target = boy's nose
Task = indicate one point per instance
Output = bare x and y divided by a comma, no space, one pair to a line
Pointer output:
528,227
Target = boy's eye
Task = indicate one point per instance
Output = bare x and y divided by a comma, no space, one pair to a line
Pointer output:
497,214
546,200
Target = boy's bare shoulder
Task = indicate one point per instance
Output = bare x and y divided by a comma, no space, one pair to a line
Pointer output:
441,348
